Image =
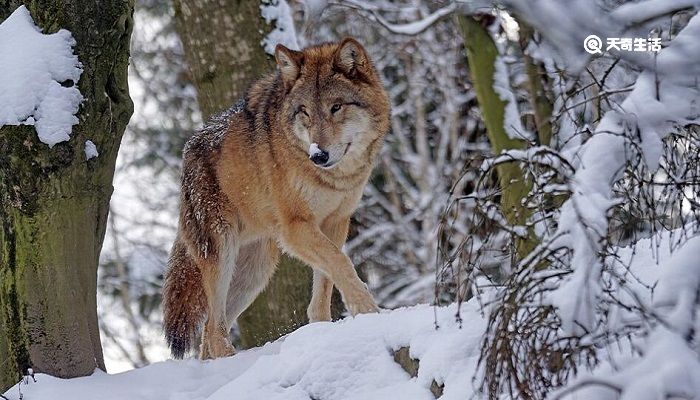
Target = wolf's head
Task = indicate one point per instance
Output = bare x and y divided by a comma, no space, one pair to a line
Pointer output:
335,106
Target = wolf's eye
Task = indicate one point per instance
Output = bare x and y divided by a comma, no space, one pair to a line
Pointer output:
335,108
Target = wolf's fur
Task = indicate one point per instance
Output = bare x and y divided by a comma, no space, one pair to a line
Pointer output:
249,191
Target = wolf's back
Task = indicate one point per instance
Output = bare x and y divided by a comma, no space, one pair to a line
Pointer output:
184,301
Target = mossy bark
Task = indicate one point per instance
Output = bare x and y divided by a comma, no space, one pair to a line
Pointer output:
481,58
54,202
222,45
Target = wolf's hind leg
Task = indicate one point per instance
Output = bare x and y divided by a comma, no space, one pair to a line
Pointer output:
256,265
217,278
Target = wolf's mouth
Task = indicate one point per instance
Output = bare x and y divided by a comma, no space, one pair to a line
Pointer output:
332,164
346,149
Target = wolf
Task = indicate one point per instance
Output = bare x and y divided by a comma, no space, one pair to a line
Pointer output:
282,170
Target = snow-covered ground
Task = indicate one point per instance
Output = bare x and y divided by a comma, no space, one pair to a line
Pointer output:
353,359
349,359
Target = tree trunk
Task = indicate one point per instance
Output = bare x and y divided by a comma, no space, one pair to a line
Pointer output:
223,50
281,307
54,203
481,56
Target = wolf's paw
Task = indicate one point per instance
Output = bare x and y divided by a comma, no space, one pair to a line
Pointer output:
221,348
363,305
318,314
216,347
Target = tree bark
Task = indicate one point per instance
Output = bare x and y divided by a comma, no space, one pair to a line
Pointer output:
481,56
223,49
54,203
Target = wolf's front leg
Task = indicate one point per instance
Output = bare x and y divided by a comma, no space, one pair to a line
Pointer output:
305,240
320,306
336,229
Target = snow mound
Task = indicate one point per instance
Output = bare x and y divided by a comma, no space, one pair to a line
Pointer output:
350,359
38,78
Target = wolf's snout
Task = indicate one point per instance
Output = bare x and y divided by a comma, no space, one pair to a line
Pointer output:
317,155
320,157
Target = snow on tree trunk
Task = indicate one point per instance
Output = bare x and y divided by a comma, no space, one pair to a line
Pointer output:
54,202
482,56
223,48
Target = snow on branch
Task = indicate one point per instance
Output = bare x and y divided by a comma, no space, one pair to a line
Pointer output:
410,28
623,166
38,78
635,13
541,155
565,24
416,27
668,366
660,101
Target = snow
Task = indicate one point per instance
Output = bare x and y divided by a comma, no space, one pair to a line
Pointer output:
349,359
502,86
176,380
565,24
642,11
33,67
661,99
284,33
314,149
666,366
314,8
416,27
90,150
541,155
353,359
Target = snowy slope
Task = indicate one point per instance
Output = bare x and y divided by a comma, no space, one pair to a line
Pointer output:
350,359
353,359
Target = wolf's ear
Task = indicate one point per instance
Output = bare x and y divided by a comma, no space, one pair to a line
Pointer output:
289,64
351,58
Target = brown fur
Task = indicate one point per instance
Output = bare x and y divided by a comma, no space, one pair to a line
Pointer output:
250,190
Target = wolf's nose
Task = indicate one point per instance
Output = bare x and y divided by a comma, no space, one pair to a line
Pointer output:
320,157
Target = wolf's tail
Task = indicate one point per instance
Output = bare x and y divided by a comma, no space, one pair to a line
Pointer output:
184,301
